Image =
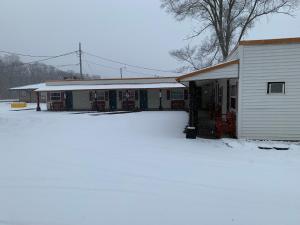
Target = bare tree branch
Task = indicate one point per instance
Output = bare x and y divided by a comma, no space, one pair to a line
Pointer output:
226,22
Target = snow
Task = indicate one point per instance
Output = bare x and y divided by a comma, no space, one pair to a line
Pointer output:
29,87
75,87
59,168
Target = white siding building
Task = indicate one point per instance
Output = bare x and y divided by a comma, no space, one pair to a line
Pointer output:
259,83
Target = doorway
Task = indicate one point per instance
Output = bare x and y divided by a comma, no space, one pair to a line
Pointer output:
112,100
69,100
143,99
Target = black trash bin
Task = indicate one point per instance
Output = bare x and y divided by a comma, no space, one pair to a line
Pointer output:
191,133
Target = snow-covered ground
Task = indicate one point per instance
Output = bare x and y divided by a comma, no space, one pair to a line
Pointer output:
58,168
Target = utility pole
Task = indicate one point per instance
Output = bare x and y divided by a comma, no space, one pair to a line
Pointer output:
121,72
80,61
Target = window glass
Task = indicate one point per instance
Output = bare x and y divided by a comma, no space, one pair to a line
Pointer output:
233,90
276,87
100,95
177,94
233,103
233,96
55,96
130,94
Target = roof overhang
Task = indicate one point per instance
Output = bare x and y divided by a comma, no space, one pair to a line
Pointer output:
109,87
30,87
220,71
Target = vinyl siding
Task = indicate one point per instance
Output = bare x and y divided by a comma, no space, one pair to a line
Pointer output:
269,116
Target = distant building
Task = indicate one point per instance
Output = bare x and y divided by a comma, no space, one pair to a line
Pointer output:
26,93
129,94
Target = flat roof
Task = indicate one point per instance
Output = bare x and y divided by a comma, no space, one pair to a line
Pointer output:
115,79
80,87
29,87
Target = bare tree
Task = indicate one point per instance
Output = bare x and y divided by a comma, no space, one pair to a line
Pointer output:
223,23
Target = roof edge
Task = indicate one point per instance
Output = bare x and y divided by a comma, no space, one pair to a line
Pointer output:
129,78
208,69
277,41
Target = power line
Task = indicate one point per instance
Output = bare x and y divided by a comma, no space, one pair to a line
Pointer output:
115,68
130,65
52,57
89,67
42,60
66,65
25,55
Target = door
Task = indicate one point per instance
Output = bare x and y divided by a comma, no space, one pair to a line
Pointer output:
69,100
112,100
143,100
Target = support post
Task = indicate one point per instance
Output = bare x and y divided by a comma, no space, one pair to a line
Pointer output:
160,100
127,99
193,112
192,129
38,108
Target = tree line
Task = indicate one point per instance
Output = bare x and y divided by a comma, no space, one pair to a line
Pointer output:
14,73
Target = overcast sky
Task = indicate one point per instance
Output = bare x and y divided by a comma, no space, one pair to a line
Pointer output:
138,32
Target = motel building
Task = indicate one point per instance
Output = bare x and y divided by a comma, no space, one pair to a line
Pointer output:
127,94
253,94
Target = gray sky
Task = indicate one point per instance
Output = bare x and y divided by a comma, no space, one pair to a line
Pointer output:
138,32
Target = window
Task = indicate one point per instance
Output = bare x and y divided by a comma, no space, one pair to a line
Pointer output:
55,96
177,94
101,95
233,94
233,90
130,94
276,87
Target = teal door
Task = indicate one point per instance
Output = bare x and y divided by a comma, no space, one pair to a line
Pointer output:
143,100
69,100
112,100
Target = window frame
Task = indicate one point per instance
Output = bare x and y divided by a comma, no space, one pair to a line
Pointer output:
177,92
233,96
55,99
131,95
269,88
100,95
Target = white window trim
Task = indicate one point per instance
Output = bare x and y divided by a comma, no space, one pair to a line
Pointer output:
233,96
55,100
269,88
